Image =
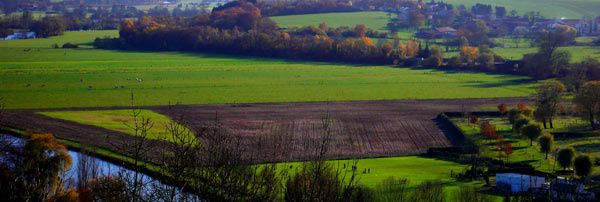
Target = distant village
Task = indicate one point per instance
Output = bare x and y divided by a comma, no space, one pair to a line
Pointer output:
444,20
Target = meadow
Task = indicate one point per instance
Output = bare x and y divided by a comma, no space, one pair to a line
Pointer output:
375,20
547,8
119,120
587,143
34,75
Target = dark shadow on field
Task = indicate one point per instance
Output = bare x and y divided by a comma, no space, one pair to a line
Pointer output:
492,143
525,161
253,58
450,132
592,147
507,81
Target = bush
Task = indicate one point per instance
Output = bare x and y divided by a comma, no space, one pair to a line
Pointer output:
429,191
565,157
432,62
108,43
392,189
70,45
520,121
512,115
455,62
583,165
470,194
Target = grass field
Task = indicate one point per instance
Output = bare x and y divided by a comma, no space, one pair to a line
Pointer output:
33,75
117,120
578,53
372,19
415,169
588,143
547,8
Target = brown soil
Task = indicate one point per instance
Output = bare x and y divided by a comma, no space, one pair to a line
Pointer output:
291,131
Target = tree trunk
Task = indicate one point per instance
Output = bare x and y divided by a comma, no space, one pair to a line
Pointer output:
592,121
530,142
551,125
544,122
546,155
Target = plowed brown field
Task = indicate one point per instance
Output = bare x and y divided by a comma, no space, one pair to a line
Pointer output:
290,131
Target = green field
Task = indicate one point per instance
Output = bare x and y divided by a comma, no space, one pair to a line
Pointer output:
578,53
589,143
414,168
33,75
373,20
117,120
547,8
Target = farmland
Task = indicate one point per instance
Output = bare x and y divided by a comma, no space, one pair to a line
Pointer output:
117,120
586,143
361,129
374,20
34,75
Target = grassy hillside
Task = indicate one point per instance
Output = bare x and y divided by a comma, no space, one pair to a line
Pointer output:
373,20
547,8
37,76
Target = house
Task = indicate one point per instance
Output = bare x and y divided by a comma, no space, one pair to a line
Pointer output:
436,33
23,35
569,190
588,26
518,183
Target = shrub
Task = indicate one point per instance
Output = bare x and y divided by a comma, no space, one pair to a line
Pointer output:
531,131
429,191
512,115
565,157
520,121
470,194
583,165
70,45
392,189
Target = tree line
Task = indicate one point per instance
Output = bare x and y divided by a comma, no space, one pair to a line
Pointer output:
239,28
86,18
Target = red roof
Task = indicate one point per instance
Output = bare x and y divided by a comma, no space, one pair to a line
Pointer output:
445,29
570,22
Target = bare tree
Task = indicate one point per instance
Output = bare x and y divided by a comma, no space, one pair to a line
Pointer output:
138,149
320,180
179,159
226,171
88,168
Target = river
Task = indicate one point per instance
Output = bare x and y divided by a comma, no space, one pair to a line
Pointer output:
105,168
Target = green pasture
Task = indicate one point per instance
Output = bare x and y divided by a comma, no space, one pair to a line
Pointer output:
34,75
547,8
589,143
578,53
374,20
118,120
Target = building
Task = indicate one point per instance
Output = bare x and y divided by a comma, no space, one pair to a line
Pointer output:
436,33
588,26
23,35
518,183
568,190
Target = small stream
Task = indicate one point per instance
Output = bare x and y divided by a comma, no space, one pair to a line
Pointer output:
105,168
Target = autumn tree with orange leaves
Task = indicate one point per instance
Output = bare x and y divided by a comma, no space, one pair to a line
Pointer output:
36,172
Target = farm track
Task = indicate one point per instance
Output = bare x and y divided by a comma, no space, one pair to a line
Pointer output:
292,131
